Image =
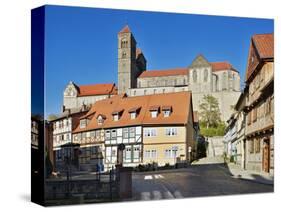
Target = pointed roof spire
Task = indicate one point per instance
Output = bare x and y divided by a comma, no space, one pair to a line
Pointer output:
125,29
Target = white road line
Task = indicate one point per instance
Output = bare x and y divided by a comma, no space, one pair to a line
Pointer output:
157,176
148,177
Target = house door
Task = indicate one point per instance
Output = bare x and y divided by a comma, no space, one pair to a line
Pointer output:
266,155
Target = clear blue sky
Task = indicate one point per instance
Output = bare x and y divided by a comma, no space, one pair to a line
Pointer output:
81,43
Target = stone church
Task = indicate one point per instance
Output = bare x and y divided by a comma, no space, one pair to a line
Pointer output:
220,79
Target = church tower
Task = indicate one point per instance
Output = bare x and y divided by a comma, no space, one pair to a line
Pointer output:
127,62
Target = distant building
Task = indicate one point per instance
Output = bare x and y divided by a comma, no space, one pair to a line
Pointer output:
219,79
260,104
75,96
154,128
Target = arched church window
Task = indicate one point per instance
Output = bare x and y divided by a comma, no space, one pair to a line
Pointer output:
124,54
194,75
224,81
124,43
205,75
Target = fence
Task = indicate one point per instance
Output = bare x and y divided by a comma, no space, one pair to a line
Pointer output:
98,187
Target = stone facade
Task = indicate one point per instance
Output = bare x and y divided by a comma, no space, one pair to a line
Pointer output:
260,105
219,79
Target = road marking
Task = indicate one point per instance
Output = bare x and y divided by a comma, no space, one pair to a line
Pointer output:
157,176
148,177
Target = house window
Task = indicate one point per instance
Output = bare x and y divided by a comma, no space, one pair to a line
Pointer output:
133,115
125,133
257,146
113,134
251,146
132,132
172,131
116,117
147,154
167,113
153,153
135,92
128,153
154,114
194,75
107,134
100,120
93,134
136,153
83,123
150,132
205,75
168,153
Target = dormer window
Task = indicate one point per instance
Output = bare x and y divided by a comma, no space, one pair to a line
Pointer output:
154,110
167,110
134,112
101,119
117,114
83,123
133,115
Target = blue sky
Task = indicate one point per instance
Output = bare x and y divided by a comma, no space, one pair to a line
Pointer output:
81,43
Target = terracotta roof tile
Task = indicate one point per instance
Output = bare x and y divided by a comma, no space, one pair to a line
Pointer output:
154,108
261,47
216,66
97,89
180,101
163,73
220,66
125,29
265,45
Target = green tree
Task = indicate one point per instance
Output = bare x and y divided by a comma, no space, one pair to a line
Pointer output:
209,112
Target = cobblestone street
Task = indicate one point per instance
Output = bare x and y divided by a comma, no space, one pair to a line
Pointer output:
194,181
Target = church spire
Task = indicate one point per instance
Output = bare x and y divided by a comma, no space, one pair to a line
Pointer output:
125,29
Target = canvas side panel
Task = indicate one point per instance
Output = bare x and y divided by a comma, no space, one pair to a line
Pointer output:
37,104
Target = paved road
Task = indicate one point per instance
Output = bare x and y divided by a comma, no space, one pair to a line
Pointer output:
194,181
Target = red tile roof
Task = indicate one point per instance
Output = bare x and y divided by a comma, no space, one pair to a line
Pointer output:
219,66
125,29
180,102
216,66
163,73
261,48
264,44
97,89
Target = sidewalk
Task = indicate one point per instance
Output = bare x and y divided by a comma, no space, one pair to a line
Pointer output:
249,175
